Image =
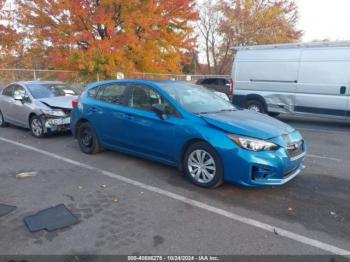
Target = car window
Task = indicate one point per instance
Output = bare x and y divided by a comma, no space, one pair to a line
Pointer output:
113,94
20,90
92,92
196,99
143,97
43,90
8,91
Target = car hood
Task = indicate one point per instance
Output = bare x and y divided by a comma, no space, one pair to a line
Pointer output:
64,102
248,123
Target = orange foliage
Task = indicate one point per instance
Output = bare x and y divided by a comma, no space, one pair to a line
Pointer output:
107,36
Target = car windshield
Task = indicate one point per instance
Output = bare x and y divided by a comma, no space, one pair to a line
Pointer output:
196,99
39,91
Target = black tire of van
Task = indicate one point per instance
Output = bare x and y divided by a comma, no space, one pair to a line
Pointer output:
256,105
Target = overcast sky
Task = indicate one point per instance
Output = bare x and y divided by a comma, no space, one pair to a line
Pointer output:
324,19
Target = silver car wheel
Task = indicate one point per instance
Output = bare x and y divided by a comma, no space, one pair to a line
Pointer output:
1,118
254,108
37,127
201,166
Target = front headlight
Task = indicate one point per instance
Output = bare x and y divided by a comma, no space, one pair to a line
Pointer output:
253,144
54,112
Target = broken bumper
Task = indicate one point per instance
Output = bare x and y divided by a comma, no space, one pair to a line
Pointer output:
56,124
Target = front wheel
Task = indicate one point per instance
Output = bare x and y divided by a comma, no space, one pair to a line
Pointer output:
87,139
2,120
203,165
37,127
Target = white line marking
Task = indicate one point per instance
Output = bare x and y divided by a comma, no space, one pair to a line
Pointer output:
195,203
328,158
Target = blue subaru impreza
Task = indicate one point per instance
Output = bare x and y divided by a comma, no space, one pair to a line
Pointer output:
190,127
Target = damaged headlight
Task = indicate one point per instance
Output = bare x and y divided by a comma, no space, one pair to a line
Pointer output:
54,112
253,144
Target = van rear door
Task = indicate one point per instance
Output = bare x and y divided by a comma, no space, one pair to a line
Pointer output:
323,82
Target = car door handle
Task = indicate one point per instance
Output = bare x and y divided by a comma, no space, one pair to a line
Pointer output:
342,90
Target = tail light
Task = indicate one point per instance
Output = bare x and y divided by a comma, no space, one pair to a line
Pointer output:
75,102
231,87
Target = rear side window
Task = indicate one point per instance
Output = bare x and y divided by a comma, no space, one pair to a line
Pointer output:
210,81
92,92
113,94
8,91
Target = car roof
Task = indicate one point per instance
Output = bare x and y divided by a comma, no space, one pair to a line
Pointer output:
140,81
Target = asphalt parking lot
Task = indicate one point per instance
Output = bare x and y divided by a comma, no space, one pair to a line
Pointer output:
127,205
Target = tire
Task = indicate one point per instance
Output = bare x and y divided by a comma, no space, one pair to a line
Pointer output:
37,127
87,139
256,105
2,120
213,173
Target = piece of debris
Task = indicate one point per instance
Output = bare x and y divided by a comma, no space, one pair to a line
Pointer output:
333,214
80,187
274,231
103,186
115,200
70,197
290,209
51,219
6,209
26,175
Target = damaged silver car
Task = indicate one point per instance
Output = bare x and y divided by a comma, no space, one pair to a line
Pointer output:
42,106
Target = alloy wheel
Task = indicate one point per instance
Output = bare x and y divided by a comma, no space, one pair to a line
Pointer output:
1,119
201,166
37,127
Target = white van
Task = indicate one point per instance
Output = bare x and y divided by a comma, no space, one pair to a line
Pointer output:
309,79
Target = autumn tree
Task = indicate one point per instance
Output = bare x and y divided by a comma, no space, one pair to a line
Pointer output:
107,36
245,22
7,35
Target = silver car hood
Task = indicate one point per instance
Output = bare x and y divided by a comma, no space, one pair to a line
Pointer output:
64,102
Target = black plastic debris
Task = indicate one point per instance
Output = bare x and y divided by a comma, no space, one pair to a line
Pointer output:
51,219
6,209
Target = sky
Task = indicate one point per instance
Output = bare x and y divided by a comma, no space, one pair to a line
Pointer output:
324,19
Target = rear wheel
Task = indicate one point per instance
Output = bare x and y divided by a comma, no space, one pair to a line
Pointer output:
2,120
87,139
37,127
203,165
256,105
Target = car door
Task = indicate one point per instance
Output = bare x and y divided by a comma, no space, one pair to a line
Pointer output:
147,133
20,109
106,112
6,102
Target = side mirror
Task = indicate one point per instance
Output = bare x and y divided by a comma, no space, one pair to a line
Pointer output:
18,96
159,109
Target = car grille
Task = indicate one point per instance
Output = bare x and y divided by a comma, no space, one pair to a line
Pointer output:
295,149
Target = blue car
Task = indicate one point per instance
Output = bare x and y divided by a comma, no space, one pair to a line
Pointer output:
189,127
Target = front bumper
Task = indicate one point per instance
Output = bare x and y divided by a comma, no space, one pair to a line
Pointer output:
263,169
56,124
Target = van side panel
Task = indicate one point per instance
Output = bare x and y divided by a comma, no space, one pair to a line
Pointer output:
324,75
272,74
